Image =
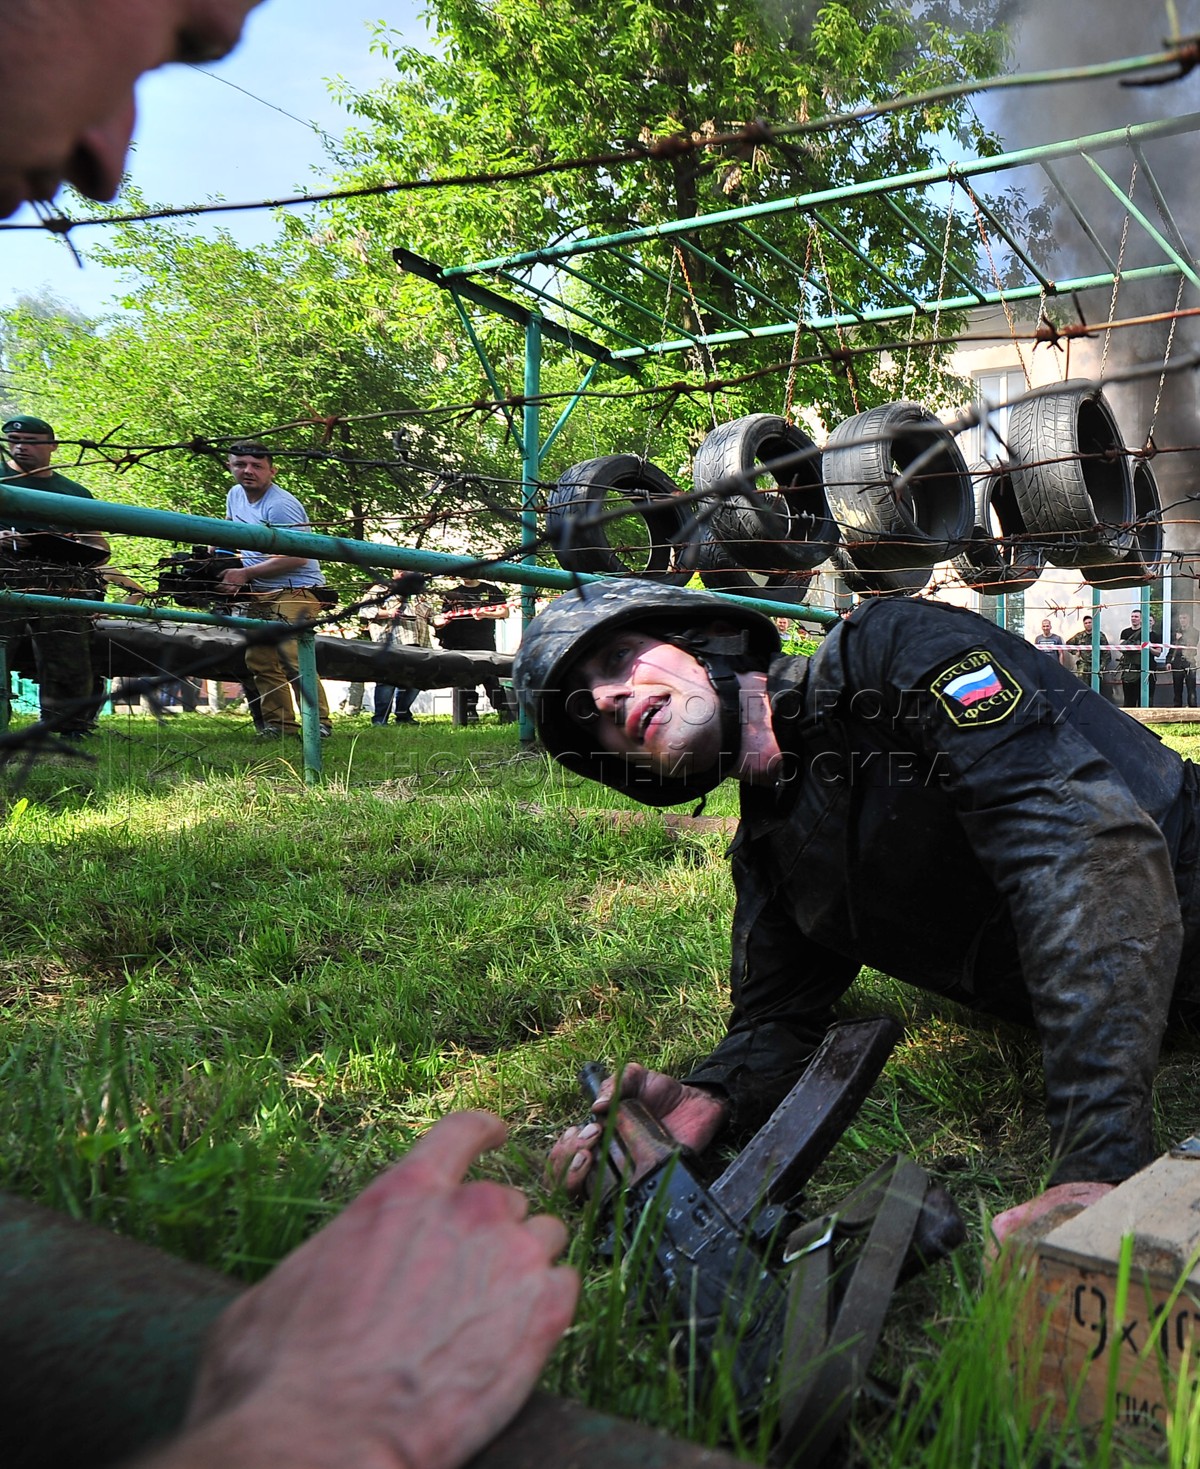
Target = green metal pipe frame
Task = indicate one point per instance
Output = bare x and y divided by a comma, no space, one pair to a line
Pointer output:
42,602
1155,234
310,710
1160,203
485,362
562,268
1015,246
807,284
785,260
931,244
1146,694
572,403
740,282
1079,216
513,311
843,239
804,203
310,714
760,243
457,277
901,313
544,295
70,513
651,273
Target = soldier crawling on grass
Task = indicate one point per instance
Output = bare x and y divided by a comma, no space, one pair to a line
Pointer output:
927,795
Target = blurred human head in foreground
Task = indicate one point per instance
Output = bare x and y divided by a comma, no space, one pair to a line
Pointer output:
67,72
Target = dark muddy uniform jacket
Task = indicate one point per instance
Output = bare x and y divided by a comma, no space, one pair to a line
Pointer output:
961,813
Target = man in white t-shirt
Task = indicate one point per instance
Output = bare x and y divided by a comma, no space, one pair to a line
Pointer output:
277,587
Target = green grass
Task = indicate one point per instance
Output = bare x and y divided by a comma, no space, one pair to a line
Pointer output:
229,999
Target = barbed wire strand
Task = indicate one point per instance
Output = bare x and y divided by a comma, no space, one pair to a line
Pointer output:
1183,57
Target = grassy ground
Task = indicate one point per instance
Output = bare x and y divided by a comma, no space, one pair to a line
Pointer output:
228,999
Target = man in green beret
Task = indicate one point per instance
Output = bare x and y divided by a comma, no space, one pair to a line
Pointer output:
61,643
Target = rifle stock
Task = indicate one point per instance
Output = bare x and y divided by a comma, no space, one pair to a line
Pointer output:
787,1150
709,1254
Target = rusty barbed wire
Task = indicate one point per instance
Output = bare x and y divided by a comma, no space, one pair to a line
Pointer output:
1178,59
122,457
701,503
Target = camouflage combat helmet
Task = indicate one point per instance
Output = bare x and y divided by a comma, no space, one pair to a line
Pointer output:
580,620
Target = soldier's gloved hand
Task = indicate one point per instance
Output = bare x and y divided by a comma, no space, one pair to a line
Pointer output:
691,1115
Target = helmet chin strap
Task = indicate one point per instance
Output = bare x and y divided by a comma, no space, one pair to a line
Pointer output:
723,656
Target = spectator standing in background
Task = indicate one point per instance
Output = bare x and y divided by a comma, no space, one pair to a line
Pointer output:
1133,640
791,637
405,625
467,623
1183,661
61,642
279,588
1082,643
1050,642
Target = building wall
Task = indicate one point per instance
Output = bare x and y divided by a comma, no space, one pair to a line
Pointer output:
1002,368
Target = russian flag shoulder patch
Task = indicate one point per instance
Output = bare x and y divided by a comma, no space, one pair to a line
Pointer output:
977,690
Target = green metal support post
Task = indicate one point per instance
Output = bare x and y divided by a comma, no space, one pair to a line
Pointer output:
532,457
1147,688
1097,639
6,699
310,710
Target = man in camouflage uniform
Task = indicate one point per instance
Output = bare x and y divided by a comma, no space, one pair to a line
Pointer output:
60,643
1082,643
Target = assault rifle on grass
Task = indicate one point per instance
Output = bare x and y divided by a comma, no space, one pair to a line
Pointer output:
787,1305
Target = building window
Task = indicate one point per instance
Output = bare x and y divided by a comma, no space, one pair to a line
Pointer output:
996,389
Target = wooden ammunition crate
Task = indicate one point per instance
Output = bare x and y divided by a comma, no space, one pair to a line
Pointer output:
1070,1326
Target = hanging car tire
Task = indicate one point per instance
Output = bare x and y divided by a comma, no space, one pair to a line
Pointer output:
642,543
1143,564
885,528
867,583
776,522
720,573
1001,558
1071,475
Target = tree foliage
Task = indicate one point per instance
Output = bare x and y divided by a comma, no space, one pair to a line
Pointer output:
213,339
512,84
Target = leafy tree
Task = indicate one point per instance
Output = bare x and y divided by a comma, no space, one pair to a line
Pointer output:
514,83
22,391
213,339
